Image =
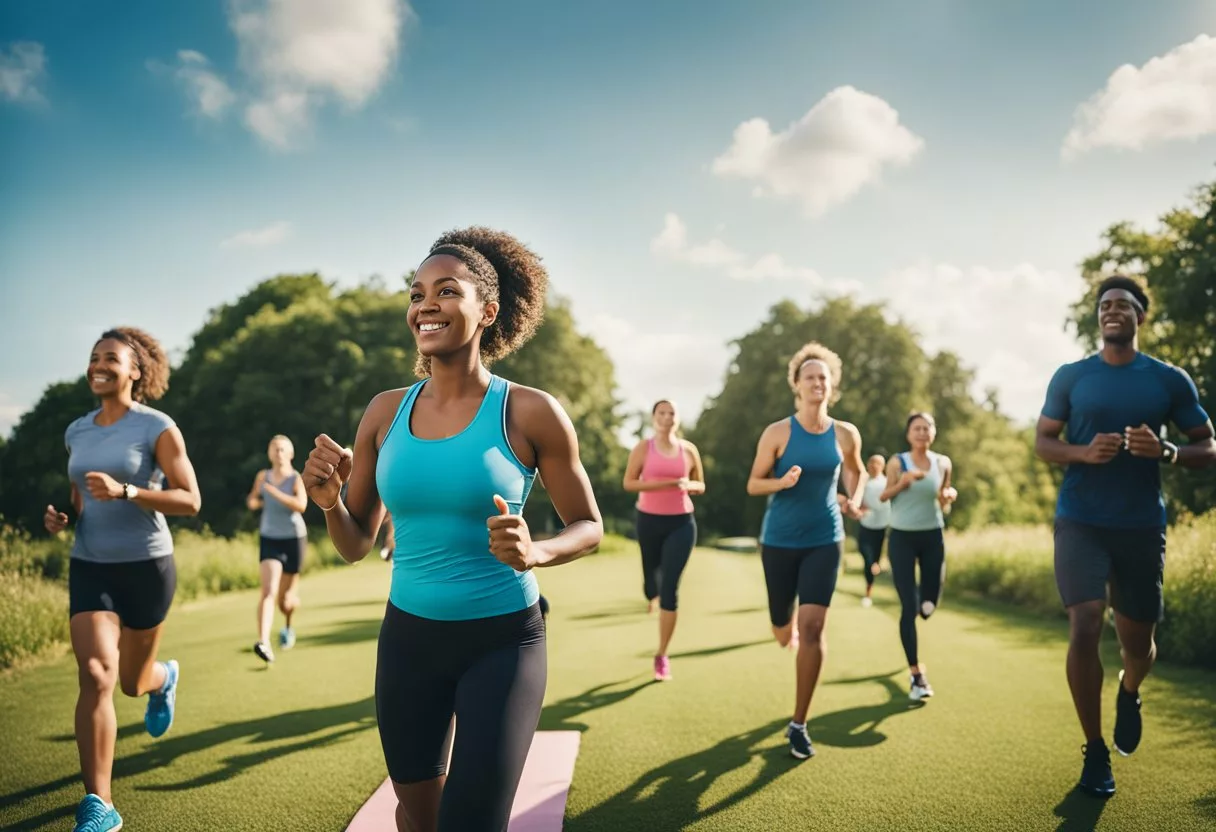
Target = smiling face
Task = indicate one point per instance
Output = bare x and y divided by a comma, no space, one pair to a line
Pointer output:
1119,316
113,369
446,314
814,382
921,433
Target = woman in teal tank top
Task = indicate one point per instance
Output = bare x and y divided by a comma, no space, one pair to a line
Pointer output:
919,490
798,464
453,458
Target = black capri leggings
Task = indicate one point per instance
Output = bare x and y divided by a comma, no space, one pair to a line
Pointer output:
869,543
488,672
666,541
905,550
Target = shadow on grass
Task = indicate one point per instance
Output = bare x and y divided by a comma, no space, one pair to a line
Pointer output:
311,728
713,651
339,605
629,611
348,632
1079,812
1207,806
743,611
670,796
560,716
858,727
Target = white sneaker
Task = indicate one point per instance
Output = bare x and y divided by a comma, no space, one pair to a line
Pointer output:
385,553
867,602
920,690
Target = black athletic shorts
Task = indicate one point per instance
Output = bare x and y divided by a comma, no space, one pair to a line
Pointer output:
1131,561
139,592
810,574
288,551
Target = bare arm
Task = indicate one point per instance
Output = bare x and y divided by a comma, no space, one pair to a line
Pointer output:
633,481
759,483
1200,450
1051,448
696,472
852,470
254,501
296,501
182,497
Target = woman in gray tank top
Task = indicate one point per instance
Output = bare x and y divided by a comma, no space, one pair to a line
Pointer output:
279,492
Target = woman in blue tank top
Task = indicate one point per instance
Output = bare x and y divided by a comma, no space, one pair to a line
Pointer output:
282,539
919,490
129,469
799,461
453,458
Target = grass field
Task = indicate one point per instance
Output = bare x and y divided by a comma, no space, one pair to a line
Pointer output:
296,747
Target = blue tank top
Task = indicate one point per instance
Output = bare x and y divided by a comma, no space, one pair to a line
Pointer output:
806,515
440,493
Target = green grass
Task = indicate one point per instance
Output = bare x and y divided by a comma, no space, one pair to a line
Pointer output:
998,748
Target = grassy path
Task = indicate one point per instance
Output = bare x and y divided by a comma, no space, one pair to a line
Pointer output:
296,747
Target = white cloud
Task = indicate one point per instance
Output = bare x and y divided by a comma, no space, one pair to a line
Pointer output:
300,53
827,156
270,235
22,66
1006,324
208,92
1171,97
672,244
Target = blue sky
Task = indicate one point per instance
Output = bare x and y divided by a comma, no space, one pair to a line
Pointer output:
159,159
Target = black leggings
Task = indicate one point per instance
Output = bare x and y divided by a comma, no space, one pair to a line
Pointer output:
666,541
869,543
905,550
488,672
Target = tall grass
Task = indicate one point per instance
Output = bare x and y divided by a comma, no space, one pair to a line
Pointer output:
1015,565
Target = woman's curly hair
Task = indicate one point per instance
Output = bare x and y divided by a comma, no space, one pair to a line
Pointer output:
504,270
814,351
149,357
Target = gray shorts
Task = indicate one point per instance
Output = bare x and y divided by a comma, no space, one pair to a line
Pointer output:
1131,561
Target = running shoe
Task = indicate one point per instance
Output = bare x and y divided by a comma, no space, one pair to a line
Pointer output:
161,703
867,601
800,741
1096,776
662,669
921,689
263,651
1128,724
95,815
287,638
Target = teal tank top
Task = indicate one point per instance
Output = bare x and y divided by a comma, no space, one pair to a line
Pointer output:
440,493
916,509
806,515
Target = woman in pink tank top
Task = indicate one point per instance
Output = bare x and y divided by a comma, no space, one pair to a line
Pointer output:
665,471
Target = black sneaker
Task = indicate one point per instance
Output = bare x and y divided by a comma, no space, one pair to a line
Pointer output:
1096,776
1128,724
800,741
263,651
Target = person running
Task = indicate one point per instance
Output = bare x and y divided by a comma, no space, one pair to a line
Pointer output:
1110,514
918,490
872,527
128,466
664,471
453,457
798,463
279,492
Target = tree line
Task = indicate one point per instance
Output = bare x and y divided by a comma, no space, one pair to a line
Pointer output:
294,355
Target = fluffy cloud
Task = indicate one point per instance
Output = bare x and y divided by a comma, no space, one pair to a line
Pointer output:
672,244
1171,97
270,235
208,92
1004,323
22,66
827,156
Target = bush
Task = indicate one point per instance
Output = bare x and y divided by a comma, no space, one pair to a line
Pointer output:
33,616
1015,565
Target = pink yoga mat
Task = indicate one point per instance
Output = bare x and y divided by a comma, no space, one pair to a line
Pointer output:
540,801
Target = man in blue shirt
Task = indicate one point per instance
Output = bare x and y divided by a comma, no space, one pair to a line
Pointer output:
1110,514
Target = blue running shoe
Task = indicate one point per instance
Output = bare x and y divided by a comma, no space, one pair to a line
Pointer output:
287,638
1096,776
159,715
800,741
95,815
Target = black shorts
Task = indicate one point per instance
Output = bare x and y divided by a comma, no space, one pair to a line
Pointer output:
139,592
288,551
810,574
1131,561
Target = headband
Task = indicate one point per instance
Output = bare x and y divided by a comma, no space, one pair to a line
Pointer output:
471,257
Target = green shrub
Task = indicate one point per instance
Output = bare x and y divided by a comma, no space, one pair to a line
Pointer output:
33,616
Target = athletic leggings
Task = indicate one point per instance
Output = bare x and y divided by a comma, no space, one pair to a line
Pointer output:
905,550
488,672
666,541
869,543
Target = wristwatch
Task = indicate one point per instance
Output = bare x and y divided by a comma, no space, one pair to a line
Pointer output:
129,491
1169,453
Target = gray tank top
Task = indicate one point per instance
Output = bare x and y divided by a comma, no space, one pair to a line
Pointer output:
278,521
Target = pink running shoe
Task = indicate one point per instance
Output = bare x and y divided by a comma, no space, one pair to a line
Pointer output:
662,669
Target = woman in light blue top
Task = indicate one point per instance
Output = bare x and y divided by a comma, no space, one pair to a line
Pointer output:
453,458
129,468
282,540
919,490
872,528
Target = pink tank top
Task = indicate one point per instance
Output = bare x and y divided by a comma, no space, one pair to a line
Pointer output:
660,467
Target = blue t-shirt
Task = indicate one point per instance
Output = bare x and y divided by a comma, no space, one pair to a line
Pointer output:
116,531
1095,397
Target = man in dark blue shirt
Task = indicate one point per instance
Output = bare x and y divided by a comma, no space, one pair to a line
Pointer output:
1110,515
